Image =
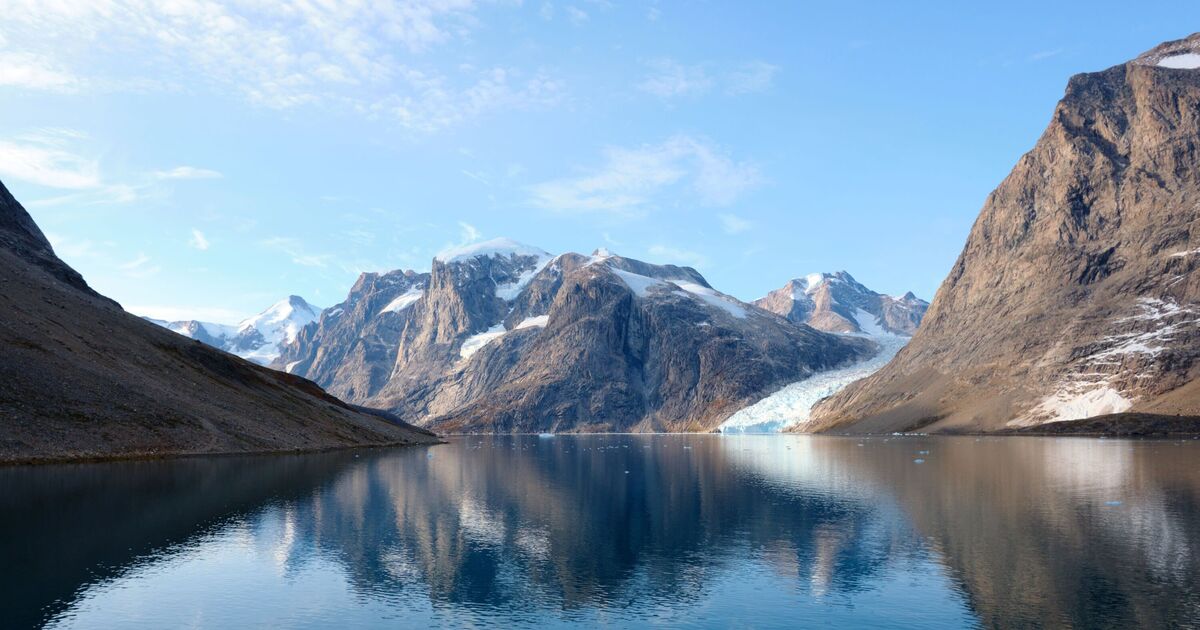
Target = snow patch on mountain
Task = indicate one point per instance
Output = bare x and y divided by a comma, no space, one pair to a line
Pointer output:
509,291
472,344
539,321
1187,61
639,284
712,298
404,300
792,405
1065,405
868,323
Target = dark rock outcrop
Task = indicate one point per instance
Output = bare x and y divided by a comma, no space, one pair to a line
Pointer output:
1077,293
80,378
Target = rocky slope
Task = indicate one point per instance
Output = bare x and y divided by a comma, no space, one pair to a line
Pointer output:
836,302
1076,294
259,338
80,378
503,337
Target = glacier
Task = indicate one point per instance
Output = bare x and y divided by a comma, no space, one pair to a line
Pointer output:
790,406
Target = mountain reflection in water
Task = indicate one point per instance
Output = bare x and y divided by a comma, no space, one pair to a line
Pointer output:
679,530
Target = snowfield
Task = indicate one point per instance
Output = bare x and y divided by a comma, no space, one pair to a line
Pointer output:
791,405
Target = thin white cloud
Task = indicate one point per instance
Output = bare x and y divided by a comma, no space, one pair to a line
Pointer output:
669,78
140,260
198,240
675,255
1044,54
187,172
733,224
105,194
296,252
139,267
52,157
575,15
634,180
469,233
362,56
24,70
755,76
44,158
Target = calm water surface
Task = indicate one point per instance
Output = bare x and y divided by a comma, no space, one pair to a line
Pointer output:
677,531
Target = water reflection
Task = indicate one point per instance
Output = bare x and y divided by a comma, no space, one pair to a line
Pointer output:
626,530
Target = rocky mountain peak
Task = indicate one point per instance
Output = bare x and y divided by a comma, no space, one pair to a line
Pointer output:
836,302
1179,54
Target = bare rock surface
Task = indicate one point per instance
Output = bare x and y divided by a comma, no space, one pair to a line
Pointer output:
1076,294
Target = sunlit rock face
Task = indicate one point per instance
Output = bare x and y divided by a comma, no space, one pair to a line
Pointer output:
502,337
1076,294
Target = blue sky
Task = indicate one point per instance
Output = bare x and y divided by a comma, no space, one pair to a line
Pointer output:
203,159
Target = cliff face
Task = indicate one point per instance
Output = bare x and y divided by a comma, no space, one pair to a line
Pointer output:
1075,295
80,378
508,338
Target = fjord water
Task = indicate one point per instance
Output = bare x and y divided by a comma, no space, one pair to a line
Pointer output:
623,530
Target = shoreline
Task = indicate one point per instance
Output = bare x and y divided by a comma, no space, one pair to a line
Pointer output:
144,456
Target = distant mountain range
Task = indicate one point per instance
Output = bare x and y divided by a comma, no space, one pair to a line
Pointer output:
501,336
259,338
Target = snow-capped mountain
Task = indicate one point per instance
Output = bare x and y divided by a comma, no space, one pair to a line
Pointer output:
256,339
836,302
500,336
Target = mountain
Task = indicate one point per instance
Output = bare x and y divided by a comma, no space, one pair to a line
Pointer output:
259,338
1076,295
836,302
83,379
504,337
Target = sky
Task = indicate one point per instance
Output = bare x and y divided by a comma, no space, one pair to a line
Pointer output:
199,159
